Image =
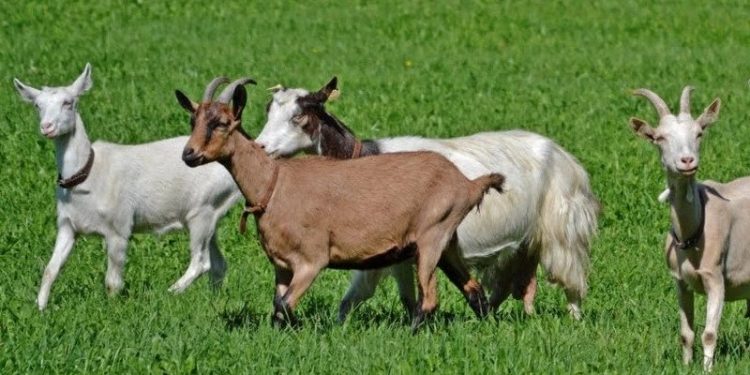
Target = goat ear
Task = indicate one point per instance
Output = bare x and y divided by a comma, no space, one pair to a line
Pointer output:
27,93
83,82
710,114
321,96
185,103
642,128
239,99
330,87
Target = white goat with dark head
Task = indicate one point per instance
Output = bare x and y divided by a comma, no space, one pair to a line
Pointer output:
707,248
547,213
113,190
314,213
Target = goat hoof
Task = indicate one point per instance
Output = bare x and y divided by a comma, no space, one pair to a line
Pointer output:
283,317
410,306
280,320
478,303
420,319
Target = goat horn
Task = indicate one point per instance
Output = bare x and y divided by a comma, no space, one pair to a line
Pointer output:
658,102
226,95
209,93
685,100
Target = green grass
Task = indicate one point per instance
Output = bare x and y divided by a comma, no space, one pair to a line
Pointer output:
439,69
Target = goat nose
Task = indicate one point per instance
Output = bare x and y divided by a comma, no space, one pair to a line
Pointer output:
187,153
687,159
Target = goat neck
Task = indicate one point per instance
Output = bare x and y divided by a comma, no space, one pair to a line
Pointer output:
686,207
338,142
250,167
72,150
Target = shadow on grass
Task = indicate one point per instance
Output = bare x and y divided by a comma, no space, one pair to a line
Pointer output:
736,346
318,314
242,318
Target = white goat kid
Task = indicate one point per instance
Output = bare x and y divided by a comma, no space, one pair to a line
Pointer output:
707,248
547,212
112,190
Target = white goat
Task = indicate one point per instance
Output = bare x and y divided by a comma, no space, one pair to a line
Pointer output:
707,248
547,212
112,190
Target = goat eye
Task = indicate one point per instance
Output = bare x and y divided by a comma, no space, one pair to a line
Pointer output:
659,138
67,103
298,119
699,135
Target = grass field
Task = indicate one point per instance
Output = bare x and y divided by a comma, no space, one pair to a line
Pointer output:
440,69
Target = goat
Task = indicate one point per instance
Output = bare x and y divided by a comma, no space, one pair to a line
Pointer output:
316,212
706,248
113,190
547,213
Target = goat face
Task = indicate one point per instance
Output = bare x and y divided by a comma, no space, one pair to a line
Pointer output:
294,119
678,137
212,122
56,105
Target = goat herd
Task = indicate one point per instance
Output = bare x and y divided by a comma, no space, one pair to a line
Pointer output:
498,203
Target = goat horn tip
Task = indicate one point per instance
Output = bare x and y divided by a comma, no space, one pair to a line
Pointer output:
274,88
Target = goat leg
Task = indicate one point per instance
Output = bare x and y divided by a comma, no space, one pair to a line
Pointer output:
116,252
452,265
685,299
714,284
302,278
426,304
361,288
524,279
282,313
63,246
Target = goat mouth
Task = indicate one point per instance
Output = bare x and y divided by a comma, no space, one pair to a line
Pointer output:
193,161
688,172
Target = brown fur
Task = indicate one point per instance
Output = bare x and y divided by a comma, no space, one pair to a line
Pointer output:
347,214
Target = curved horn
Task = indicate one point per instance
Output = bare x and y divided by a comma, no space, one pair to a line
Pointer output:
658,102
209,93
226,95
685,100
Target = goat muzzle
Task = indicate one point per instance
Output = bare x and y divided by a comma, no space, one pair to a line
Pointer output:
191,158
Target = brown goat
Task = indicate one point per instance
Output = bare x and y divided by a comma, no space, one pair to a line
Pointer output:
316,212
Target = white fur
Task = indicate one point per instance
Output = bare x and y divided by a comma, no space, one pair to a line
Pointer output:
130,188
717,264
547,203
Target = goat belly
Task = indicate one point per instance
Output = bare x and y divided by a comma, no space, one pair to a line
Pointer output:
391,256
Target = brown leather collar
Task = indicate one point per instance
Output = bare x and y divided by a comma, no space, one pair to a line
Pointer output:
79,176
691,242
357,149
259,208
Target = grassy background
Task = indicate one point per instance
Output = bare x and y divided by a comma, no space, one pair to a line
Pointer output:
439,69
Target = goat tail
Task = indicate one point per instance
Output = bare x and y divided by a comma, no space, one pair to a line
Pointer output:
567,226
483,184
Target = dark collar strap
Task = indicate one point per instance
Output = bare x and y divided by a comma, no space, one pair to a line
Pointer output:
693,240
357,149
79,177
259,208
